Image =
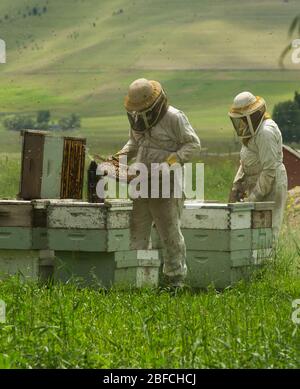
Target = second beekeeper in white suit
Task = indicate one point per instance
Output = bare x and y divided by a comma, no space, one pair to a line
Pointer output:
262,174
159,133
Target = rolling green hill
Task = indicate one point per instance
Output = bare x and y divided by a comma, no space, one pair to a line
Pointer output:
80,55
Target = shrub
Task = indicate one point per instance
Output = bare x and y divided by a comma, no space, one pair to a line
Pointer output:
71,122
287,116
17,123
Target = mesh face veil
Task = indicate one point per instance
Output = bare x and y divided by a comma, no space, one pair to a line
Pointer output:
144,120
246,120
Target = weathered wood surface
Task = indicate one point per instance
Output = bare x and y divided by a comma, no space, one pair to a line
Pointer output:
15,214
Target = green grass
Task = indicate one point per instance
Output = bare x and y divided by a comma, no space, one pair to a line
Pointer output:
64,326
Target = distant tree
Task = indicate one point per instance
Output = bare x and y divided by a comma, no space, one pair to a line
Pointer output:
71,122
43,116
17,123
297,98
287,116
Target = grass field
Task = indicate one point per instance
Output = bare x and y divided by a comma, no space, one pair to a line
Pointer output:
65,326
204,96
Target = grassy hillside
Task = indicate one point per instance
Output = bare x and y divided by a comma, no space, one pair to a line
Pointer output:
80,55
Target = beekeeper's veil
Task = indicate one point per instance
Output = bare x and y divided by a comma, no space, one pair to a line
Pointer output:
247,114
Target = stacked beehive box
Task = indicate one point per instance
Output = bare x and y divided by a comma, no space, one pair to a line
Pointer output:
85,237
224,241
23,240
92,244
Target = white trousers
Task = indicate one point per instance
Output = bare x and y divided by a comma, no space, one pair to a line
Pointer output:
165,213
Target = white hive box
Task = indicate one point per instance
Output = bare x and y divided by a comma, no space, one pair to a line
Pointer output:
82,226
137,268
215,216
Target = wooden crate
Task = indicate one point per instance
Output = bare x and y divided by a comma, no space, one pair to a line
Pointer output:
52,167
137,268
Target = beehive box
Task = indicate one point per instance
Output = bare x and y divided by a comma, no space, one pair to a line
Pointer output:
225,242
22,235
46,265
29,264
215,216
15,225
22,262
214,226
220,269
52,167
85,268
137,268
81,226
262,215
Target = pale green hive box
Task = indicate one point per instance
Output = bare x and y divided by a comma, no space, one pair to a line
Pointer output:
85,268
137,269
23,262
217,268
82,226
15,225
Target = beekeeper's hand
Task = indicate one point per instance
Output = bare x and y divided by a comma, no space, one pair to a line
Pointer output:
172,158
250,199
236,195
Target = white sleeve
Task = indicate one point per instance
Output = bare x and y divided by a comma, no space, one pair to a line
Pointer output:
130,148
268,156
188,140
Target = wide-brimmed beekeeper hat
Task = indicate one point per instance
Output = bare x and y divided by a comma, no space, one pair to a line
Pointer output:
247,113
142,94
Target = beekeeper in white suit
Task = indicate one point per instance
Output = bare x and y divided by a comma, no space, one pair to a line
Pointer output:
159,133
261,175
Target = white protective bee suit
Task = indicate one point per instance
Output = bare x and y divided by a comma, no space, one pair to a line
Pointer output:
262,174
172,135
